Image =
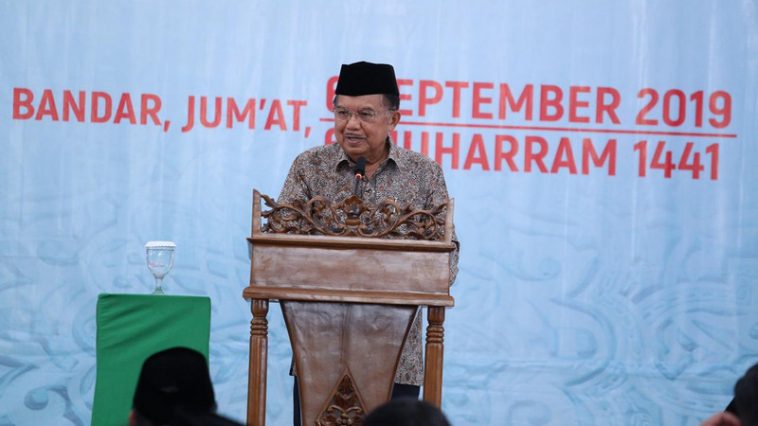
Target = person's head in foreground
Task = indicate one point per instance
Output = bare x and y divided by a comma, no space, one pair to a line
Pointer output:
174,387
743,410
406,412
746,397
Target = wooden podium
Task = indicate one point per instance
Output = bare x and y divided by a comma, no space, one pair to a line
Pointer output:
350,278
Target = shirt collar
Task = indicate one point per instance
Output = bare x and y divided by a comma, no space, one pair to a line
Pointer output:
394,154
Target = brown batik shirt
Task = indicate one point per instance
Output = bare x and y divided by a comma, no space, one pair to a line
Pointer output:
409,178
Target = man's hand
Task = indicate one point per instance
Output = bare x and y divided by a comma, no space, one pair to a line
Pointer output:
721,419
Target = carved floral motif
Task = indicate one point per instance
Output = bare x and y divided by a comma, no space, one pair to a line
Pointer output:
354,217
344,407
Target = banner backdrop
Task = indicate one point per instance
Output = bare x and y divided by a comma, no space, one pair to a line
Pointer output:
602,156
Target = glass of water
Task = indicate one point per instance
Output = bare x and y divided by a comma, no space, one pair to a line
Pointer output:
160,260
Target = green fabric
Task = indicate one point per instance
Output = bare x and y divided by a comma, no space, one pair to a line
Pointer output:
129,329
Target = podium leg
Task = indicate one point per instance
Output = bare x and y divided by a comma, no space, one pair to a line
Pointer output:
256,388
435,334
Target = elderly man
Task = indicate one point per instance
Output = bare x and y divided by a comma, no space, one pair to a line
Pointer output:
366,108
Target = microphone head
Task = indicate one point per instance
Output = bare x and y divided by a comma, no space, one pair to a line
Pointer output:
360,167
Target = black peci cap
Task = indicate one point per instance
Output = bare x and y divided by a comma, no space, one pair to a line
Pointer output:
366,78
176,378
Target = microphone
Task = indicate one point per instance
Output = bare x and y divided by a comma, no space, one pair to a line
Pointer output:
360,167
360,171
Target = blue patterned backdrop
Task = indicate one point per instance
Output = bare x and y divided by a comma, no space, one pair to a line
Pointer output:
616,289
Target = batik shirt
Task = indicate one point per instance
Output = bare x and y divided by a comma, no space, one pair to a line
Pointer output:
407,177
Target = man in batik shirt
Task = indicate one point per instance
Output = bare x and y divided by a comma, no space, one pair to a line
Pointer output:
365,113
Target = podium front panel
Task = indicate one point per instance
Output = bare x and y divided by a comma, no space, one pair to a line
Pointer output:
350,269
333,340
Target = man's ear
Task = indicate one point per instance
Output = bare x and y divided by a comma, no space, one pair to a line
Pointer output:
132,418
394,119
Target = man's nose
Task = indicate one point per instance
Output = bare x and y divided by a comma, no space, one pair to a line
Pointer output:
353,120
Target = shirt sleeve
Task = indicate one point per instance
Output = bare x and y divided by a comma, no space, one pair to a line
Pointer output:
295,187
438,195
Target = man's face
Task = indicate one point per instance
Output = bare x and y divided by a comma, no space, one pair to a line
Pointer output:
362,124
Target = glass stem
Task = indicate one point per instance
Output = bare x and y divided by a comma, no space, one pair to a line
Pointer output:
158,286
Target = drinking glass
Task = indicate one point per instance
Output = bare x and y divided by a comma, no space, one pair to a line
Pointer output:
160,260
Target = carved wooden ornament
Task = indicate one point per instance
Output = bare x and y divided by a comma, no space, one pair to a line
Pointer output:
345,406
354,217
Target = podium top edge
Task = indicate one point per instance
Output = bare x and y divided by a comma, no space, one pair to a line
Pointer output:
326,241
286,293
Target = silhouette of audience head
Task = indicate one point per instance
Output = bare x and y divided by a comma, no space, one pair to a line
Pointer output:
743,409
746,397
406,412
174,386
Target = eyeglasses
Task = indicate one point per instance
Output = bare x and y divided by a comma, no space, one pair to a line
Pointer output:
343,115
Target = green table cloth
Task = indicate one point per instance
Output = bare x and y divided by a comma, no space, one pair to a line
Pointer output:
131,327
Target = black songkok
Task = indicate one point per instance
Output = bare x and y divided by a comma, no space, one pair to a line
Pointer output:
366,78
171,380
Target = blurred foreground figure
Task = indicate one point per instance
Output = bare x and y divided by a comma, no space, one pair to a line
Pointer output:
406,412
174,388
743,410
